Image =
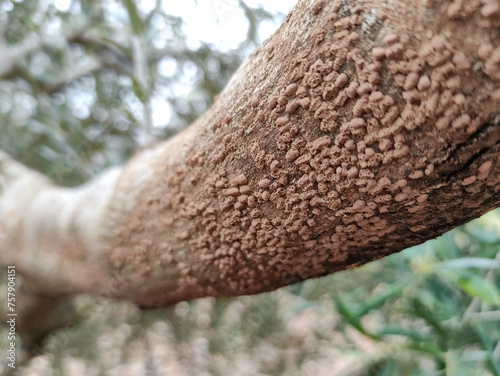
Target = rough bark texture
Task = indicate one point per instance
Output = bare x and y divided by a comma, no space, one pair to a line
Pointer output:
359,129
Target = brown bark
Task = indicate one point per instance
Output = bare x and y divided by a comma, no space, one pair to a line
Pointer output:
359,129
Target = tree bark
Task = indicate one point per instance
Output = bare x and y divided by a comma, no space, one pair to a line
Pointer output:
359,129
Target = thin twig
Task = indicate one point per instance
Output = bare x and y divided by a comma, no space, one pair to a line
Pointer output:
141,76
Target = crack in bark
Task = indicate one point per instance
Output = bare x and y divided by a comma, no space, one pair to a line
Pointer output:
462,155
473,159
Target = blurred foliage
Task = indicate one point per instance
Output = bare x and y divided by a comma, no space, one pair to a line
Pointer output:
70,97
72,104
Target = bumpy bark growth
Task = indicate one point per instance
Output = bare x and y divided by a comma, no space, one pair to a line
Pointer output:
359,129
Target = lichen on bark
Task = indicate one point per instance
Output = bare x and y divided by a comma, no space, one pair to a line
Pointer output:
335,144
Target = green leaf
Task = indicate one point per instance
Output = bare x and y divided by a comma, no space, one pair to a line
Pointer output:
375,301
135,20
423,306
407,332
138,90
342,307
130,116
470,262
479,287
428,348
350,316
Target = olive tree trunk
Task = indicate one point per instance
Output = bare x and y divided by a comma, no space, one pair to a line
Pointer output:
359,129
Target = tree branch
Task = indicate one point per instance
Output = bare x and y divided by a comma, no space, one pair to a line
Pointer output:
103,54
359,129
141,74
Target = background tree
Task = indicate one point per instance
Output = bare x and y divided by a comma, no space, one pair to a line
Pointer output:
112,58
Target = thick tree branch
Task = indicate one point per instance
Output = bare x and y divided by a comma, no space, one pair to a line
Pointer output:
359,129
